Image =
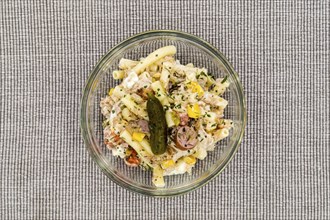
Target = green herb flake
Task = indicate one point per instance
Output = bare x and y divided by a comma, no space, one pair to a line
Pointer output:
224,79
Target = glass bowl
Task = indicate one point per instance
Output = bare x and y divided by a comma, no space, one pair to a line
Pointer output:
190,49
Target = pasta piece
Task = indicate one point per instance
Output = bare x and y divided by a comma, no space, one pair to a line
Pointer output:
145,144
200,153
137,98
158,176
160,93
118,92
153,57
118,74
210,118
165,75
221,134
153,68
225,123
219,88
127,64
169,119
127,115
133,107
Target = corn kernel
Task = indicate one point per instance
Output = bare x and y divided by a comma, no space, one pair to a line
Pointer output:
111,91
138,136
156,75
190,160
128,152
196,88
167,163
176,119
194,111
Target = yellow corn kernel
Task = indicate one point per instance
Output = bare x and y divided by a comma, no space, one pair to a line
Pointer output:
190,160
111,91
194,111
128,151
167,163
138,136
156,75
196,88
176,119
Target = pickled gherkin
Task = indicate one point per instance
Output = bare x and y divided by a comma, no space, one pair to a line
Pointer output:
157,125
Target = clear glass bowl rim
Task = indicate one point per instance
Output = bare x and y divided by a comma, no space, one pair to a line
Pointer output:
85,124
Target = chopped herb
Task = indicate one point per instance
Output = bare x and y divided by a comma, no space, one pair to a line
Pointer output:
169,76
145,86
211,75
204,124
170,67
158,89
214,125
124,96
211,87
158,94
208,115
178,106
202,139
224,79
113,111
156,55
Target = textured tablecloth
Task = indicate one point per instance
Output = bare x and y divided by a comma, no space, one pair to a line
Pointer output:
280,50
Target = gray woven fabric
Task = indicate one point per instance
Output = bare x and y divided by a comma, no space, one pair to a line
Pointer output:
281,50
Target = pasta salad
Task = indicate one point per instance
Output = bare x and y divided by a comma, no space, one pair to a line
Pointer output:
164,116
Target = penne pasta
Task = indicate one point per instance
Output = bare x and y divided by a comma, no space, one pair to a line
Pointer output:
153,57
118,74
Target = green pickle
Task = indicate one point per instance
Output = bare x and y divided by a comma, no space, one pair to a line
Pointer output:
157,125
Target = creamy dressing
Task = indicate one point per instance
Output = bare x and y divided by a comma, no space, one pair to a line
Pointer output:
119,150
